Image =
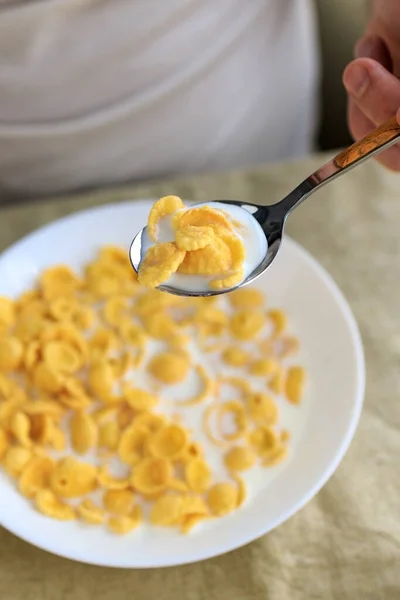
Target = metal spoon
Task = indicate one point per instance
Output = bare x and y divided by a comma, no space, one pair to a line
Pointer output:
272,218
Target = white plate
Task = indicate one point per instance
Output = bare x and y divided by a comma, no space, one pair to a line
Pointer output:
322,427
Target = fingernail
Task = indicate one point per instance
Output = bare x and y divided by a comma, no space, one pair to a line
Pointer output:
367,47
356,80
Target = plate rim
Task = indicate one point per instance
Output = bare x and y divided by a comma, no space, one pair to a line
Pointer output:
341,450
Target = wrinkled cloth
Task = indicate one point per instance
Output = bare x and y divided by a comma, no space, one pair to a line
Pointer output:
345,544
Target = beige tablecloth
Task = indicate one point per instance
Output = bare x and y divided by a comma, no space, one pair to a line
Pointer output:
345,544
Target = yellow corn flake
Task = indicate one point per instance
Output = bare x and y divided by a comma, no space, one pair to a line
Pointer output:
101,381
153,301
207,387
190,521
30,327
246,298
214,259
238,383
263,408
235,357
238,413
277,382
278,319
165,206
159,325
84,317
194,505
62,309
160,262
285,436
228,282
83,432
41,428
198,475
4,442
7,312
151,475
47,379
32,355
177,485
193,450
192,237
66,333
285,346
109,435
9,408
115,309
50,408
207,417
15,458
169,442
169,367
122,524
139,399
58,281
240,458
222,498
118,501
276,456
194,510
131,444
125,416
247,324
102,342
73,394
35,475
20,428
121,365
61,357
11,353
151,421
263,440
237,250
72,478
294,384
167,510
132,334
57,439
49,505
109,482
89,512
203,216
241,489
7,387
105,413
211,321
263,367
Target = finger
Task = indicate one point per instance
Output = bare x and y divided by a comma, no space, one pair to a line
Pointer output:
360,126
373,88
374,47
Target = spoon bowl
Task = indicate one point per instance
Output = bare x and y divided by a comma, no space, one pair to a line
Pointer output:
272,218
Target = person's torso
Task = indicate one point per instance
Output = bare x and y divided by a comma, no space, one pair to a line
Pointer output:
100,91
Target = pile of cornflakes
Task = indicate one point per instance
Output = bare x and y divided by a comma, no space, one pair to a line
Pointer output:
84,440
205,244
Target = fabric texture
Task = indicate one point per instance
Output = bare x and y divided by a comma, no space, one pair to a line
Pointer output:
94,92
344,545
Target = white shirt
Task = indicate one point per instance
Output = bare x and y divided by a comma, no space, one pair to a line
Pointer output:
96,92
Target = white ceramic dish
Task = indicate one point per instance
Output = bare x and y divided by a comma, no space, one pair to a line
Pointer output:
322,427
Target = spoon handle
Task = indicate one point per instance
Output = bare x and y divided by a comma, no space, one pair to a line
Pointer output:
378,140
368,145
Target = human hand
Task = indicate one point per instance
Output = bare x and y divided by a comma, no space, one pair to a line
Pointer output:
371,80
